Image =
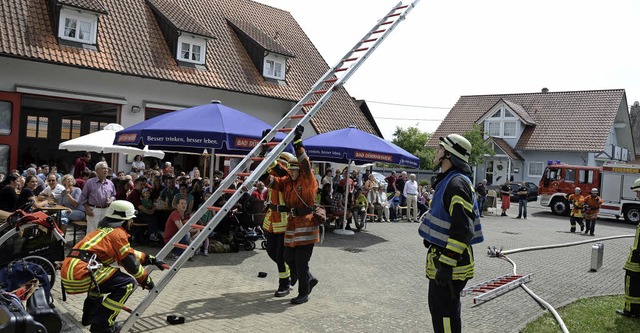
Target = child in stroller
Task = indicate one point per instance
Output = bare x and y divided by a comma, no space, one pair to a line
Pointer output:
246,223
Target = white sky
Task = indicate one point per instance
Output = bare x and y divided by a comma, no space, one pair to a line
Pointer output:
450,48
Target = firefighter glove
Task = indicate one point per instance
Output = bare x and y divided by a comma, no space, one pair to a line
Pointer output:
426,243
444,275
298,133
147,284
265,132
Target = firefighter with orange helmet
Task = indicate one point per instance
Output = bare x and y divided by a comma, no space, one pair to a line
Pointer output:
592,205
632,272
298,189
88,268
274,225
577,200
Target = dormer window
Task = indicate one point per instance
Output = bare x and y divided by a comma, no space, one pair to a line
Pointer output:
502,124
78,26
192,49
274,66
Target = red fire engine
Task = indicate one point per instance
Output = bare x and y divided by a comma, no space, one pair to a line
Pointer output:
613,180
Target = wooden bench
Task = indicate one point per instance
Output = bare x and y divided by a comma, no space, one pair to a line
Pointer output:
82,225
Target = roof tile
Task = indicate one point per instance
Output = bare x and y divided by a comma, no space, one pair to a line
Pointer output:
566,121
228,65
97,6
259,37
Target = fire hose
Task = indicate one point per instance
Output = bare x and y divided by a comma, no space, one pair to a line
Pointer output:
498,253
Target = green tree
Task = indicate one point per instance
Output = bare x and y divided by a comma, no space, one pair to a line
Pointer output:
479,145
413,140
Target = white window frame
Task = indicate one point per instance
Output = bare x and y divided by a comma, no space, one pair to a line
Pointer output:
79,17
191,41
502,120
541,169
268,70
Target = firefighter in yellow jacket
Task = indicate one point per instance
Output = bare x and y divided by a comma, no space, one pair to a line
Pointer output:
632,272
275,223
577,200
88,268
298,189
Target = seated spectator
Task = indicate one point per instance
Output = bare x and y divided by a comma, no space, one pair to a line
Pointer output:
174,223
122,188
156,187
27,195
84,175
359,206
325,195
70,197
375,203
337,204
183,194
197,191
170,190
260,192
394,206
53,189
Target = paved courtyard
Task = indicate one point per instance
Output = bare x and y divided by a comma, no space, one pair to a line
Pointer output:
374,282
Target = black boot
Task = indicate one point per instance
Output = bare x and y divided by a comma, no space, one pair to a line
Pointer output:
89,308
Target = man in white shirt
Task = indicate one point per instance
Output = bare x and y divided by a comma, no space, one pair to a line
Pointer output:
53,189
410,191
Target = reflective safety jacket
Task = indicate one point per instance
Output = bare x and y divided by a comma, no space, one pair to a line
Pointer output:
577,201
594,203
451,225
633,261
298,194
109,245
275,222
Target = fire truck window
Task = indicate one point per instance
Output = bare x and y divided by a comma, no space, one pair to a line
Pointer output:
586,177
569,175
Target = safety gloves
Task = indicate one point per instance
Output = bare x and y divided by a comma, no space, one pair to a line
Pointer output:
152,260
147,284
297,137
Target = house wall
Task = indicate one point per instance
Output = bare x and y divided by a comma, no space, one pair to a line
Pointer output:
134,90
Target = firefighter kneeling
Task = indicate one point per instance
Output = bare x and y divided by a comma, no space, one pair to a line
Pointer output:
88,268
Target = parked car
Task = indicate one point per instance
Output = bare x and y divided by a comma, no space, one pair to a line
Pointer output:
532,190
380,179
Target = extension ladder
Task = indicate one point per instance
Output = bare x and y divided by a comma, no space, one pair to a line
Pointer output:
495,287
300,114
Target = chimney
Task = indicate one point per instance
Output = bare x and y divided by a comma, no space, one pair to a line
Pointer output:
545,90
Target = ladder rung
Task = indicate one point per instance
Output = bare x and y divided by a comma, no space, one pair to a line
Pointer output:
181,246
320,92
350,59
379,31
297,116
214,208
402,7
309,104
369,40
392,15
198,226
330,81
388,22
244,174
229,191
361,49
271,143
257,158
341,69
285,129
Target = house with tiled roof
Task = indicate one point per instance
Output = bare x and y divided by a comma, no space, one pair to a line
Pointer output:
69,67
528,130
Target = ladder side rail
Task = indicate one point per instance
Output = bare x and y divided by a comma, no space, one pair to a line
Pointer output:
351,70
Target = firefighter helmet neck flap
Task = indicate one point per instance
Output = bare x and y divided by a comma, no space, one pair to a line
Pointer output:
117,213
636,185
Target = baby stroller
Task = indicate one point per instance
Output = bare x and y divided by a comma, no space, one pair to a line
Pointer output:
246,228
34,237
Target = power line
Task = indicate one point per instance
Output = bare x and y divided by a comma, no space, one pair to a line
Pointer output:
396,118
410,105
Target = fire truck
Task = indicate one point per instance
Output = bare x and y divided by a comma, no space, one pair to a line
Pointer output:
613,180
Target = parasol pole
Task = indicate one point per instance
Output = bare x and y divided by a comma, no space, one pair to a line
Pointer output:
205,156
344,231
212,165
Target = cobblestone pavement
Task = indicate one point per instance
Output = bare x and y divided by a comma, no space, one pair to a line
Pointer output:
374,282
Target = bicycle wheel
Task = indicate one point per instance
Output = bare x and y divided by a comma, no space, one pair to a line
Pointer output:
46,265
